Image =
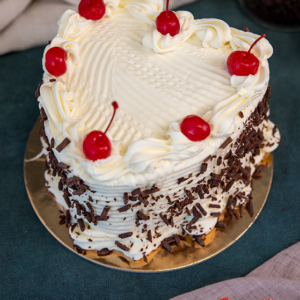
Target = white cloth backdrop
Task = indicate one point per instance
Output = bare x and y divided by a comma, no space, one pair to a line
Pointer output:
30,23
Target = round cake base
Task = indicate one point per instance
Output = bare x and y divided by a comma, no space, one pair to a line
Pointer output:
160,260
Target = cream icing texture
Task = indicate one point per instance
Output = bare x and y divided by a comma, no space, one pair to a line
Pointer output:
116,59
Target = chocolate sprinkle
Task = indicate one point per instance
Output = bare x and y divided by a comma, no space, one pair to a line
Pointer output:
141,215
241,114
136,192
149,236
104,252
249,206
226,143
214,205
67,199
81,224
219,161
63,145
202,210
80,250
124,208
164,218
122,246
167,247
203,168
215,214
221,224
68,218
177,240
200,241
125,235
196,213
145,258
103,216
37,93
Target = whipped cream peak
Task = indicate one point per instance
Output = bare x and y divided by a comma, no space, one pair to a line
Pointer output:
210,32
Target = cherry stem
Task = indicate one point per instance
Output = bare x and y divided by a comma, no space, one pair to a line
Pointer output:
115,105
255,42
167,8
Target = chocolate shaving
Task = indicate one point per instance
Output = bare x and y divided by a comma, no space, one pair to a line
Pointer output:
164,218
62,220
122,246
241,114
181,179
126,198
37,93
144,201
167,247
202,210
203,168
63,145
104,252
136,192
80,250
103,216
43,117
124,208
241,210
145,258
125,235
141,215
196,213
207,158
226,143
246,29
68,218
214,205
249,206
177,240
81,224
215,176
219,161
149,236
215,214
200,241
221,224
229,185
235,214
67,200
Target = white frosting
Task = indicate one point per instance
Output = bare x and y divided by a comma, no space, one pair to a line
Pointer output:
107,61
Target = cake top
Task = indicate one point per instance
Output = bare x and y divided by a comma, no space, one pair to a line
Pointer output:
157,81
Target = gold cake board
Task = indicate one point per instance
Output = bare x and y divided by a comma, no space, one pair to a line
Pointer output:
160,260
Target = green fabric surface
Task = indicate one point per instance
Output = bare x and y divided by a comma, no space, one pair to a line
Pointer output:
35,266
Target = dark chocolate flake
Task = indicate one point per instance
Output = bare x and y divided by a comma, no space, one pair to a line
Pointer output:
81,224
141,215
226,143
122,246
80,250
125,235
124,208
214,205
221,224
63,145
215,214
167,246
200,241
104,252
202,210
164,218
177,240
149,236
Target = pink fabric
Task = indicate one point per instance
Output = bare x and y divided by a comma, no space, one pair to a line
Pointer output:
277,279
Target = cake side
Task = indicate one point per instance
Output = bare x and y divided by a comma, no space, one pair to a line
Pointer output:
138,221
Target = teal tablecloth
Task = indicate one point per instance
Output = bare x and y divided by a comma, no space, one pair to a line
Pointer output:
35,266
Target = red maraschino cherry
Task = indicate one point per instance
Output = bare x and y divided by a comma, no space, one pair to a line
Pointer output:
92,9
96,144
195,128
243,63
167,22
55,61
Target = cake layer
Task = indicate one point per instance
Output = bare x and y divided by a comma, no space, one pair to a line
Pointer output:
187,202
112,59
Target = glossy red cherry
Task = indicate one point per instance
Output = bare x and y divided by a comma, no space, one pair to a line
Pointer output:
167,22
55,61
96,144
195,128
243,63
92,9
